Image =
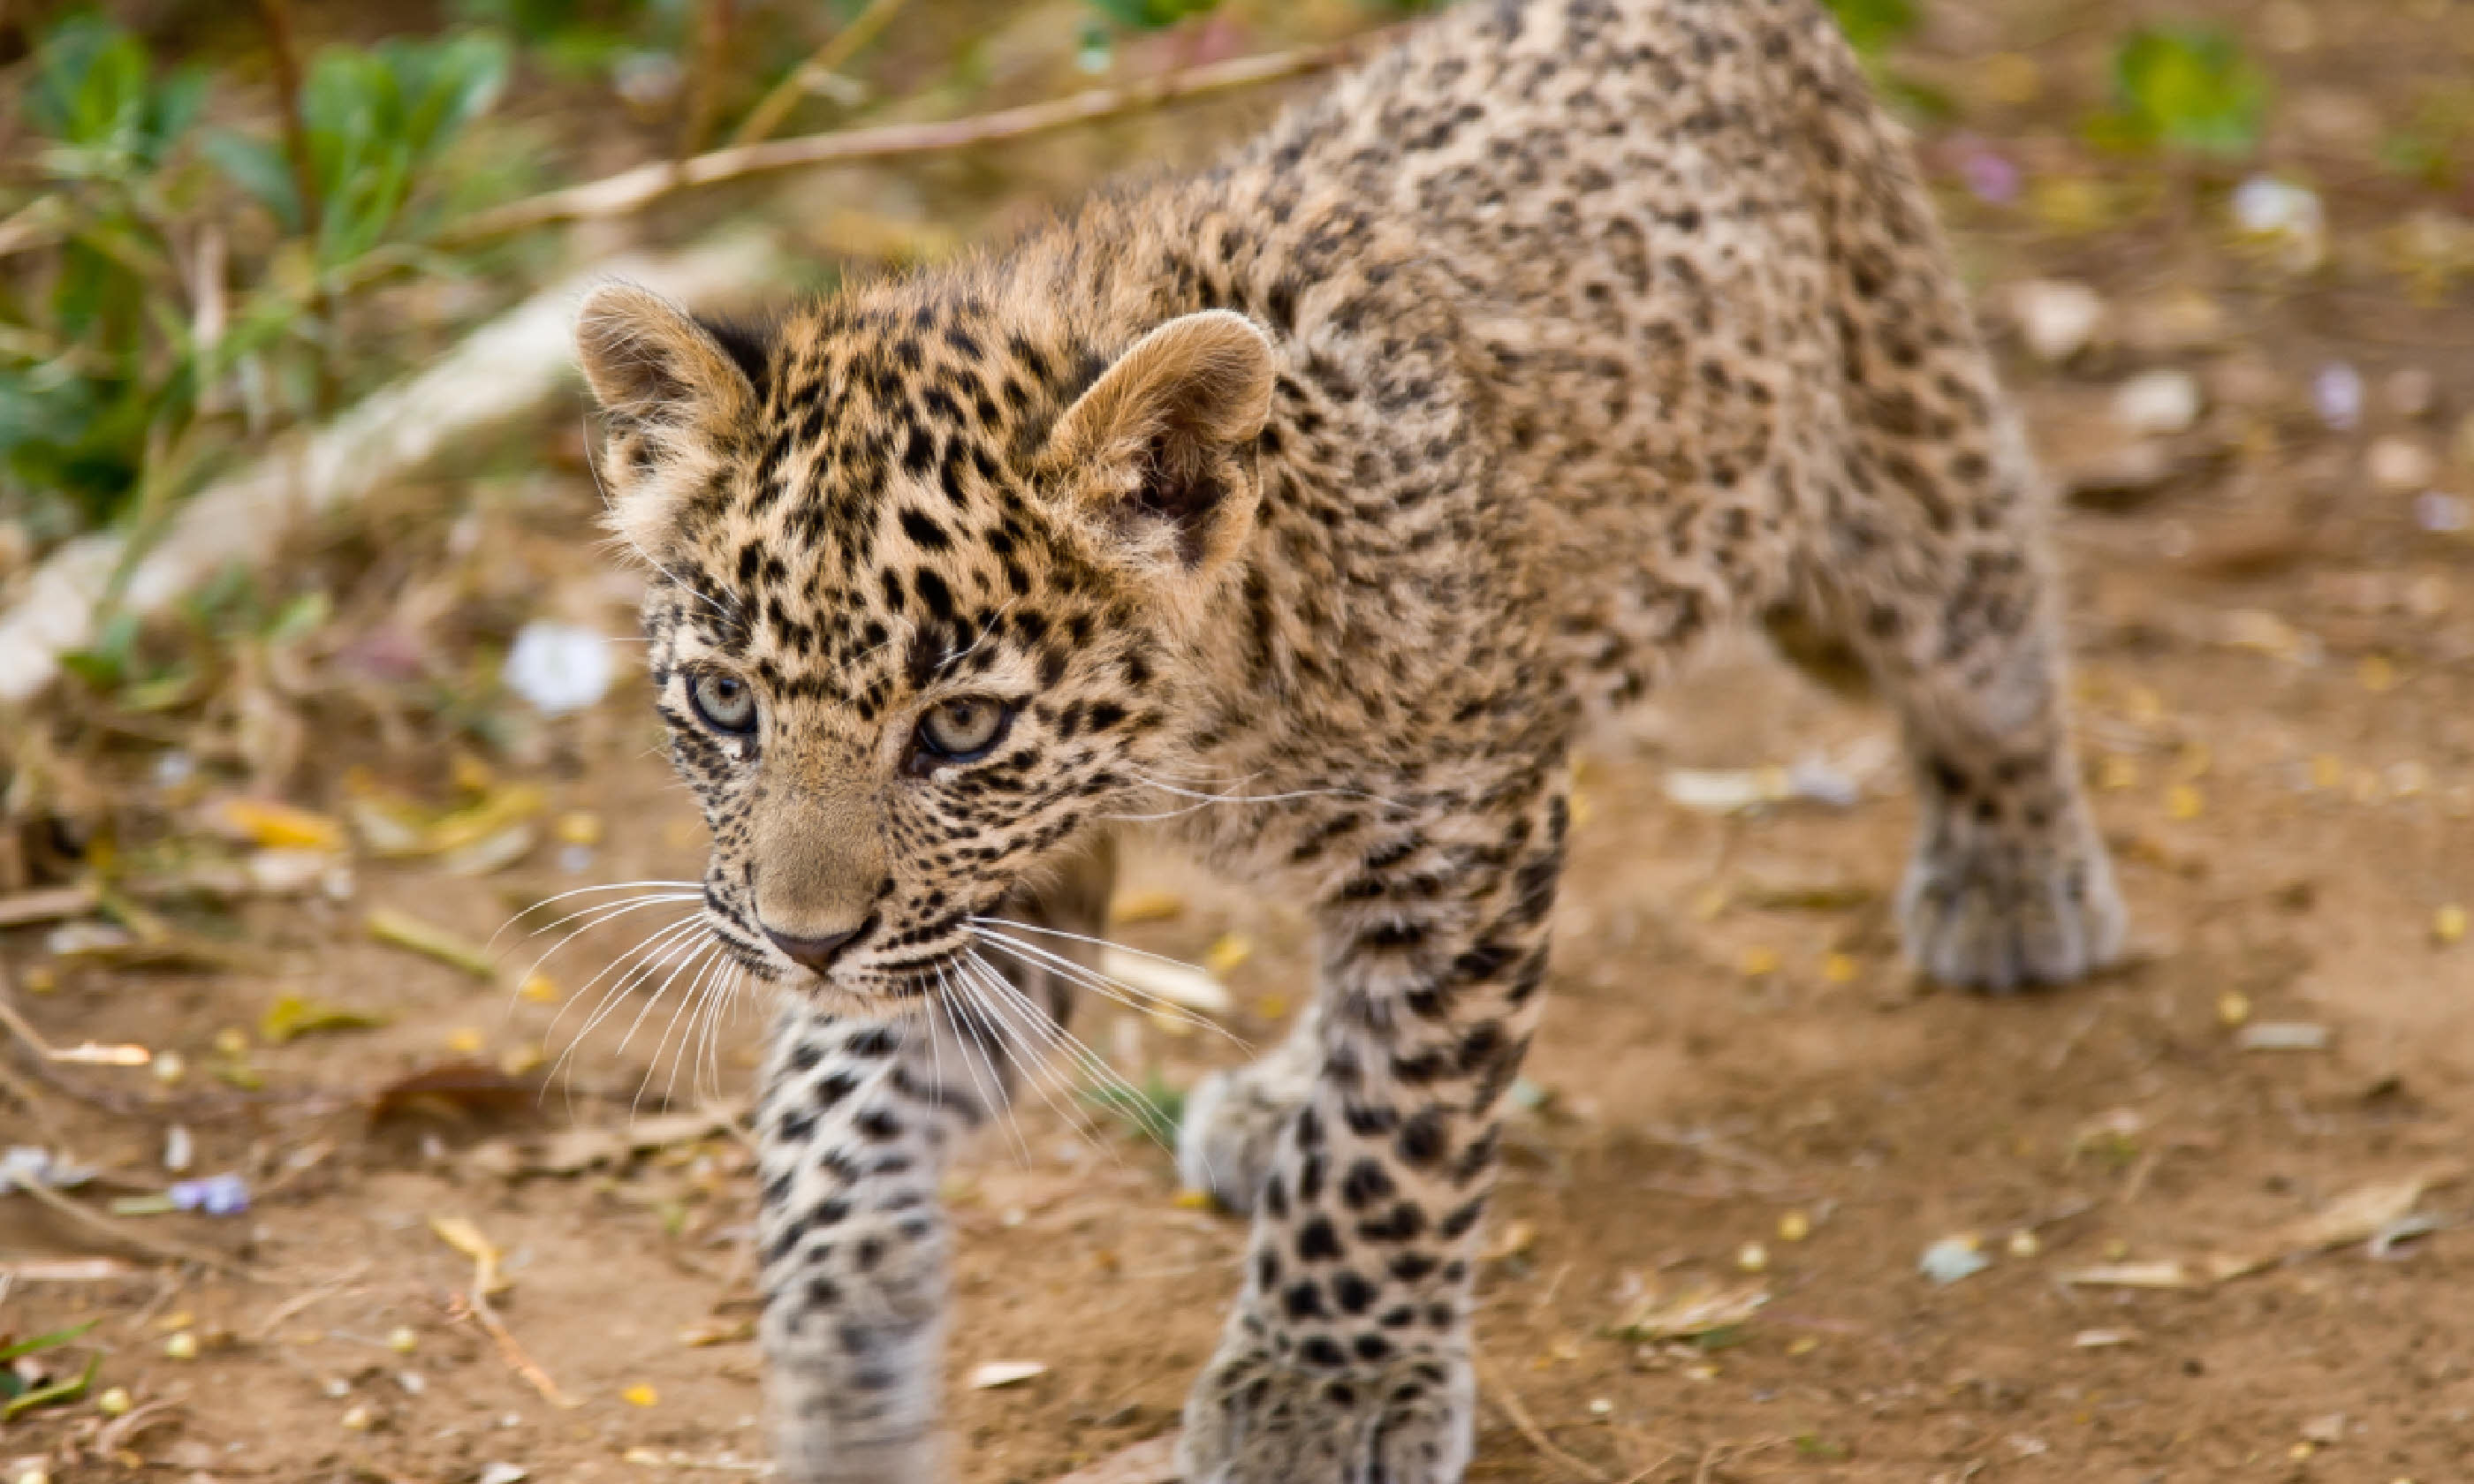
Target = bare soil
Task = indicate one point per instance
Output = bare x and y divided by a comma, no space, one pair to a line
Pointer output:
2276,675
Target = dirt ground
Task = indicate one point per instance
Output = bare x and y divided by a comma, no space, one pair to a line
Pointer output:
1739,1089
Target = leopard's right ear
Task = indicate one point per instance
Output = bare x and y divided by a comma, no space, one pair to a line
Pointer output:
674,395
648,360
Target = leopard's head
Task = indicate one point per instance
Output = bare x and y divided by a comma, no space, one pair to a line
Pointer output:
920,577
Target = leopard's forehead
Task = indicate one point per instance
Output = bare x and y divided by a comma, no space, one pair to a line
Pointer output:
875,527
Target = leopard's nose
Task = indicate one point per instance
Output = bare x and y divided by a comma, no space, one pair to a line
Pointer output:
819,951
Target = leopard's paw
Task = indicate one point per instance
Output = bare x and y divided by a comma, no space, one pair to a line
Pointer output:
1231,1126
2001,909
1253,1419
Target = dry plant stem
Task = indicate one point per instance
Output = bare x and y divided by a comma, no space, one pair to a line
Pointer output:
844,44
283,49
1527,1426
474,1306
129,1237
633,190
283,52
704,87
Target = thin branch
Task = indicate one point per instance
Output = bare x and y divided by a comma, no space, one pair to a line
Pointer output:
284,51
632,190
704,79
127,1235
1509,1400
839,49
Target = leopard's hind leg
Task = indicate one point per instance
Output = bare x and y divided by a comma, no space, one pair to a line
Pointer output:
1929,557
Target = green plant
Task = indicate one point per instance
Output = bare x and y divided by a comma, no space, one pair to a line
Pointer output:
147,324
2184,89
1872,25
1151,14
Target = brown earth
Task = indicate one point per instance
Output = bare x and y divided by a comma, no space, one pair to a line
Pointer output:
2278,678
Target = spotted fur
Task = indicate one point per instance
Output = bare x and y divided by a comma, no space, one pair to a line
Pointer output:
1307,507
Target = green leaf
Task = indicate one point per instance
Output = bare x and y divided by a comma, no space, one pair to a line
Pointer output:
1872,25
42,1342
44,1396
259,169
2187,88
1151,15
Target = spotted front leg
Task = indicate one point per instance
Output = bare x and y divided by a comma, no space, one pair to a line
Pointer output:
852,1132
857,1119
1347,1359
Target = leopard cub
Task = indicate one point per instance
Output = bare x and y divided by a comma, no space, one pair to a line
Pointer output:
1348,480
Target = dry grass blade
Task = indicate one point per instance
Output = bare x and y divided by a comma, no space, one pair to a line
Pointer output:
632,190
844,44
1149,1462
1510,1401
130,1236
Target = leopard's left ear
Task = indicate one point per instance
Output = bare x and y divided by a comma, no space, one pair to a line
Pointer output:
1156,461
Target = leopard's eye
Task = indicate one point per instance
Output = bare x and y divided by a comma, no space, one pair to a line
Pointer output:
725,703
961,730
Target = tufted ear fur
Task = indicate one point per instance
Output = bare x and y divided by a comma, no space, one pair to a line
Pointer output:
1156,458
672,390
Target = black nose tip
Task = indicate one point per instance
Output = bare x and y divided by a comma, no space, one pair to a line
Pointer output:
819,952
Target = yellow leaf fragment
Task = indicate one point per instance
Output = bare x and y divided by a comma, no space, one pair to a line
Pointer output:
639,1395
294,1016
1146,908
406,931
1226,952
460,1234
278,826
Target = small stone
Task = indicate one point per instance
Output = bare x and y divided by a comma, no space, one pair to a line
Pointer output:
358,1419
2022,1243
183,1345
2056,316
2325,1431
115,1402
1952,1259
1794,1227
1753,1257
2337,395
2233,1007
2399,466
1601,1406
2412,392
169,1067
400,1339
500,1473
2158,401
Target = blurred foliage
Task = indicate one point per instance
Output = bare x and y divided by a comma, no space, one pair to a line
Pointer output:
147,324
1151,15
2189,89
1872,25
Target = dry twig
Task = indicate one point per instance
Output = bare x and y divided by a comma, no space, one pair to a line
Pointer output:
130,1236
632,190
1510,1401
472,1306
839,48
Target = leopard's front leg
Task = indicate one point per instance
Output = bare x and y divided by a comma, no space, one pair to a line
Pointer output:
1347,1359
851,1131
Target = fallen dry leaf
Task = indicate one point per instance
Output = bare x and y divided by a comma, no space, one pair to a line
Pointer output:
1695,1311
